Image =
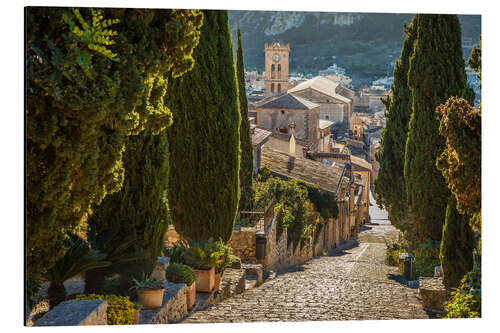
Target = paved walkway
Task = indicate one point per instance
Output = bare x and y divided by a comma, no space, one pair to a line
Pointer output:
351,283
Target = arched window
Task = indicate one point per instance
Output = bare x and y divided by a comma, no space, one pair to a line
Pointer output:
279,67
272,68
279,87
272,87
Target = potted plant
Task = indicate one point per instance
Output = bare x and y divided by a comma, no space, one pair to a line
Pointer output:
222,260
201,256
137,314
149,292
180,273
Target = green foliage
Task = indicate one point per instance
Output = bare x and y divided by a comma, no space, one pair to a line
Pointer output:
139,210
475,59
263,174
147,283
460,162
120,309
325,204
205,137
390,188
78,258
176,252
392,254
425,258
78,120
290,199
457,245
224,256
234,261
180,273
246,163
465,302
436,72
202,254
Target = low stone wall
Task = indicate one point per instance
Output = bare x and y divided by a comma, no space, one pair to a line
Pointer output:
76,313
173,309
242,242
432,292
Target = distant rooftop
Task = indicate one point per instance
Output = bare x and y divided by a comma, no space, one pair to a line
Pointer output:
327,178
289,101
323,85
325,123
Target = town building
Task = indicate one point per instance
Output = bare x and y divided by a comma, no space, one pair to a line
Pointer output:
278,113
334,105
276,73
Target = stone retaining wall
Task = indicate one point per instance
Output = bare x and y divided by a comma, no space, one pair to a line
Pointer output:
242,242
173,309
76,313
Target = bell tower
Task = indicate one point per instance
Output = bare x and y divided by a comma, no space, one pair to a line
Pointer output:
276,79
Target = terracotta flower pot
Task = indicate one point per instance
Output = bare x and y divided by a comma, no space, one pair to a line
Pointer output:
217,280
205,279
191,296
150,298
137,316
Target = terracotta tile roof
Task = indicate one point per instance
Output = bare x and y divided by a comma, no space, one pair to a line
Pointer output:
289,101
324,86
327,178
359,162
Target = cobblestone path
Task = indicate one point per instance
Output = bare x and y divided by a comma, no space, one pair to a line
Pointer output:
351,283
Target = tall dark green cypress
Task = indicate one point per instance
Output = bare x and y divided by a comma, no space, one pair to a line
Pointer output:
390,189
436,73
139,211
457,244
204,139
246,165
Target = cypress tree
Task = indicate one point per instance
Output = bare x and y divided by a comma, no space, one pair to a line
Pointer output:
83,102
205,137
139,210
246,165
460,162
457,245
390,189
436,73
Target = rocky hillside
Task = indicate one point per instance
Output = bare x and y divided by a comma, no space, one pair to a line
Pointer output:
365,44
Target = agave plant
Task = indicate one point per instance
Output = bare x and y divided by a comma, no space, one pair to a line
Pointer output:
79,258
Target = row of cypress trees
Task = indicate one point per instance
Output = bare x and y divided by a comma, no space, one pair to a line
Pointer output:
180,151
94,77
410,185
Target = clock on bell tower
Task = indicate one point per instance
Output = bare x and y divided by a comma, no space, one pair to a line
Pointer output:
277,59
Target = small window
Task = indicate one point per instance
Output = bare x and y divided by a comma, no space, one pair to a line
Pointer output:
279,87
272,87
272,68
283,130
326,117
282,111
279,67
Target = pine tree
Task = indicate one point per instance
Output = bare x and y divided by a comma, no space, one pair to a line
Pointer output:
139,210
457,245
390,188
92,78
246,165
436,73
205,137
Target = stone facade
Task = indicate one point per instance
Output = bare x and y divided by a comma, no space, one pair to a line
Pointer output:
432,292
76,313
276,73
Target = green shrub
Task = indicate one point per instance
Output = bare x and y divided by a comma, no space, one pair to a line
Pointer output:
120,308
466,300
426,257
234,262
180,273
